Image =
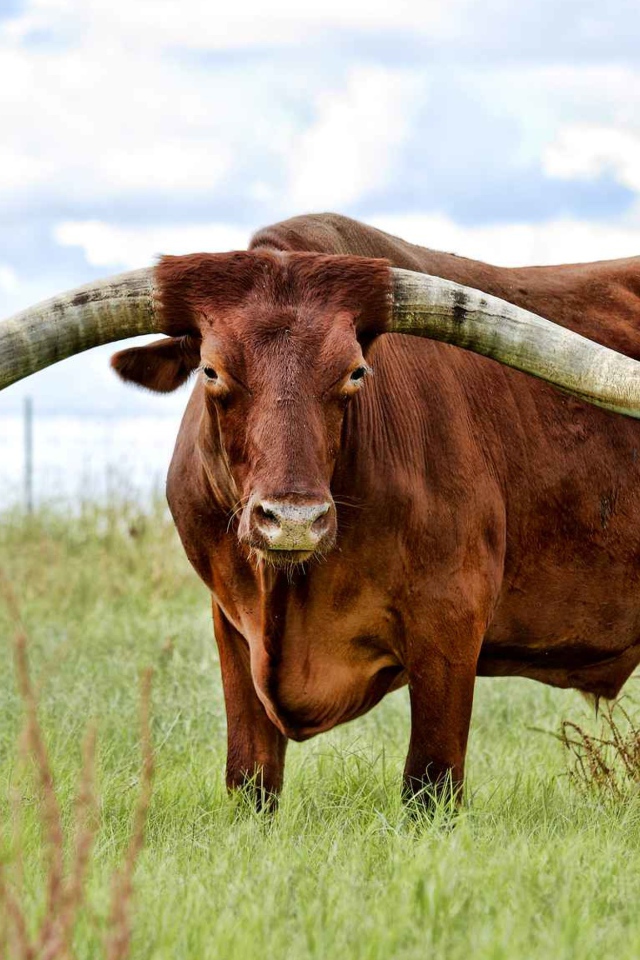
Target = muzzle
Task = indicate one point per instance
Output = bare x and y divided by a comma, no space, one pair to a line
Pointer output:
288,528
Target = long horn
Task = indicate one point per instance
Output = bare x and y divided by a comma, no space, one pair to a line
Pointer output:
438,309
112,309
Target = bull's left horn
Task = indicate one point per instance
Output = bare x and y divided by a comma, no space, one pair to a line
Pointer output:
438,309
112,309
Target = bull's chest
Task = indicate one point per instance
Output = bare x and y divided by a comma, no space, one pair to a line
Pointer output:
317,660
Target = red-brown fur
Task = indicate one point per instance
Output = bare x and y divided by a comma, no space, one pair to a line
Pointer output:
486,522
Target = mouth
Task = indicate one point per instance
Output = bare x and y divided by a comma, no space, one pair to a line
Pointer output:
285,558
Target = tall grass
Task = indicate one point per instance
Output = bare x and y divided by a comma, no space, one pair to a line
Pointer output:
66,875
536,867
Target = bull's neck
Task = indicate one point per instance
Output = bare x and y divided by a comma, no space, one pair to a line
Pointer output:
275,591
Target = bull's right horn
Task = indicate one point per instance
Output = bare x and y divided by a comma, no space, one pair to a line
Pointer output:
113,309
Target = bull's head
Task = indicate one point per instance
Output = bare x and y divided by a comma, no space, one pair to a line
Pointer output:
279,341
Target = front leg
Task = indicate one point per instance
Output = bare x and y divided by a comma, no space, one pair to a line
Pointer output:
443,638
255,747
441,695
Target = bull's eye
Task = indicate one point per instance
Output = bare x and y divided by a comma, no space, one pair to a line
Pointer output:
358,374
210,373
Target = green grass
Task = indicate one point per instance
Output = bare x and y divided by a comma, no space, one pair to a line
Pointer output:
533,869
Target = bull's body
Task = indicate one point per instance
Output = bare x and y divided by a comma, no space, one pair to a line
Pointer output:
487,524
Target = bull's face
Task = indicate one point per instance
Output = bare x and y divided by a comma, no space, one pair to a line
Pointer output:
279,353
276,384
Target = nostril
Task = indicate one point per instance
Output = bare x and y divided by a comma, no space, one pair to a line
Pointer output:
263,513
320,522
319,517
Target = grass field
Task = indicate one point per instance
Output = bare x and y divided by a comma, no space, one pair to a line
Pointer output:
535,868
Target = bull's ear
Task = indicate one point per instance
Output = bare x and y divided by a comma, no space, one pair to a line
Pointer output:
163,365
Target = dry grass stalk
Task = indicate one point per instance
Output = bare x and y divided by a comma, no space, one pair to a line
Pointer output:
49,807
56,940
65,890
66,887
118,940
610,762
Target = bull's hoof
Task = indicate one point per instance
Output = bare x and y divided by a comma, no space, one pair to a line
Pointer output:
253,793
438,800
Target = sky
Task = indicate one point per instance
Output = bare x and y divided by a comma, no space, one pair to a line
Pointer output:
505,131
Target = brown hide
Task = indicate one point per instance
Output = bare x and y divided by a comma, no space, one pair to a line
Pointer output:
486,524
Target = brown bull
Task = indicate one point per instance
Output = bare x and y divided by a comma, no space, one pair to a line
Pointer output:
371,510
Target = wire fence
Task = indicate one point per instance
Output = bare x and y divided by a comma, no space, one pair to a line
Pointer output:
73,459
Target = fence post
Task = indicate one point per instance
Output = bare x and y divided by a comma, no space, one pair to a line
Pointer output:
28,454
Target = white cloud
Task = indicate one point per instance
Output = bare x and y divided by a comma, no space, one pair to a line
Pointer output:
558,98
518,244
199,24
18,169
97,118
351,147
8,279
165,165
114,112
108,245
588,150
111,108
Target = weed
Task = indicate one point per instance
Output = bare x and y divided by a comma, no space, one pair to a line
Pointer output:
608,762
